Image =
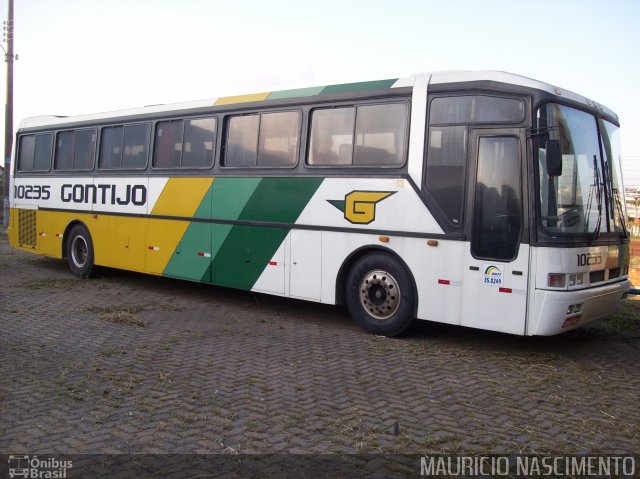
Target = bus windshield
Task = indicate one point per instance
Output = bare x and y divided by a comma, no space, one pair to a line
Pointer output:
585,197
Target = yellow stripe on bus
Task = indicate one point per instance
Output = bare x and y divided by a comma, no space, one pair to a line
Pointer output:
230,100
179,197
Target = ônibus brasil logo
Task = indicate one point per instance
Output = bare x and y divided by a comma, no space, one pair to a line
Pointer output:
34,467
359,207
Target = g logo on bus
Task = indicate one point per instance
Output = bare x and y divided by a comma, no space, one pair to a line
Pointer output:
359,207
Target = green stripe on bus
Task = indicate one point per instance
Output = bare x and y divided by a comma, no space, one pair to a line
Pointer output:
247,250
186,262
360,86
230,196
295,93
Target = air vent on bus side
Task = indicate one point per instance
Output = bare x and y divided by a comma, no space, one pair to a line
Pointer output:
27,228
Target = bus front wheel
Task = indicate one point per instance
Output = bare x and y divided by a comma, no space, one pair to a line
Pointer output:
80,251
380,295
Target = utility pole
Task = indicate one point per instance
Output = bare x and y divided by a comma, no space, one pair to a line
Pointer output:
8,112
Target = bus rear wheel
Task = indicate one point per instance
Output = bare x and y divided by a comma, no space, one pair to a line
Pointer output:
80,251
380,295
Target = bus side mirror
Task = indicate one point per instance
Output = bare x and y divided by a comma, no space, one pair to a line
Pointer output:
554,158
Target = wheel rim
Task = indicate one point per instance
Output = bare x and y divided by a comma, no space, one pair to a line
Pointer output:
380,294
79,251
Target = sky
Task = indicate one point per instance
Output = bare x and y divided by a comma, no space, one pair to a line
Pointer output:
88,56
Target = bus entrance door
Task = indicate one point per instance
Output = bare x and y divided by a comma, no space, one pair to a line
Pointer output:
497,261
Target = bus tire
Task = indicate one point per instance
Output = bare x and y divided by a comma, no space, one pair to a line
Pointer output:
380,295
80,251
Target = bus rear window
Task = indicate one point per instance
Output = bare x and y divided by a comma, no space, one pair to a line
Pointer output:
35,152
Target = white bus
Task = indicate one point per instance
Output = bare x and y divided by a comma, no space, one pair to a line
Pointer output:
481,199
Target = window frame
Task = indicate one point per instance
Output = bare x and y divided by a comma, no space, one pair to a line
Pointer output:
225,139
124,125
184,120
405,141
73,159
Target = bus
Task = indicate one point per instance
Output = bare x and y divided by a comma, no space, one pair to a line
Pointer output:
482,199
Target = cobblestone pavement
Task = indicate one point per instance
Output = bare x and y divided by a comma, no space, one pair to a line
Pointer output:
128,363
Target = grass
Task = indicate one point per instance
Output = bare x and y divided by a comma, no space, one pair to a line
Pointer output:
128,313
627,320
124,314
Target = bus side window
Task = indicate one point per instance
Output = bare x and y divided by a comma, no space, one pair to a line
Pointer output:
445,169
198,142
27,152
85,149
263,140
34,152
332,136
168,144
365,135
63,158
136,139
111,148
279,137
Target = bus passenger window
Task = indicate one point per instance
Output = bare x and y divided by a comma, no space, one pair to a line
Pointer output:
26,153
184,143
42,157
111,148
332,136
168,145
279,134
124,146
136,138
380,133
85,150
242,141
199,138
35,152
75,150
263,140
64,150
366,135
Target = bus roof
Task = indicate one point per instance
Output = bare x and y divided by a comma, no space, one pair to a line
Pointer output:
443,77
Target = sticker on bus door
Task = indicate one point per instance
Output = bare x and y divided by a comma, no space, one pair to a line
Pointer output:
492,274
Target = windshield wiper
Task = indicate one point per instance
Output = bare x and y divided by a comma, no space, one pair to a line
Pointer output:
598,187
623,221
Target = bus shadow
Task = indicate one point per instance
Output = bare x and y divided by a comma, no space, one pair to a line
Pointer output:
578,341
337,316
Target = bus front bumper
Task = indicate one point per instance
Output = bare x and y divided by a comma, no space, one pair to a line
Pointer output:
555,312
